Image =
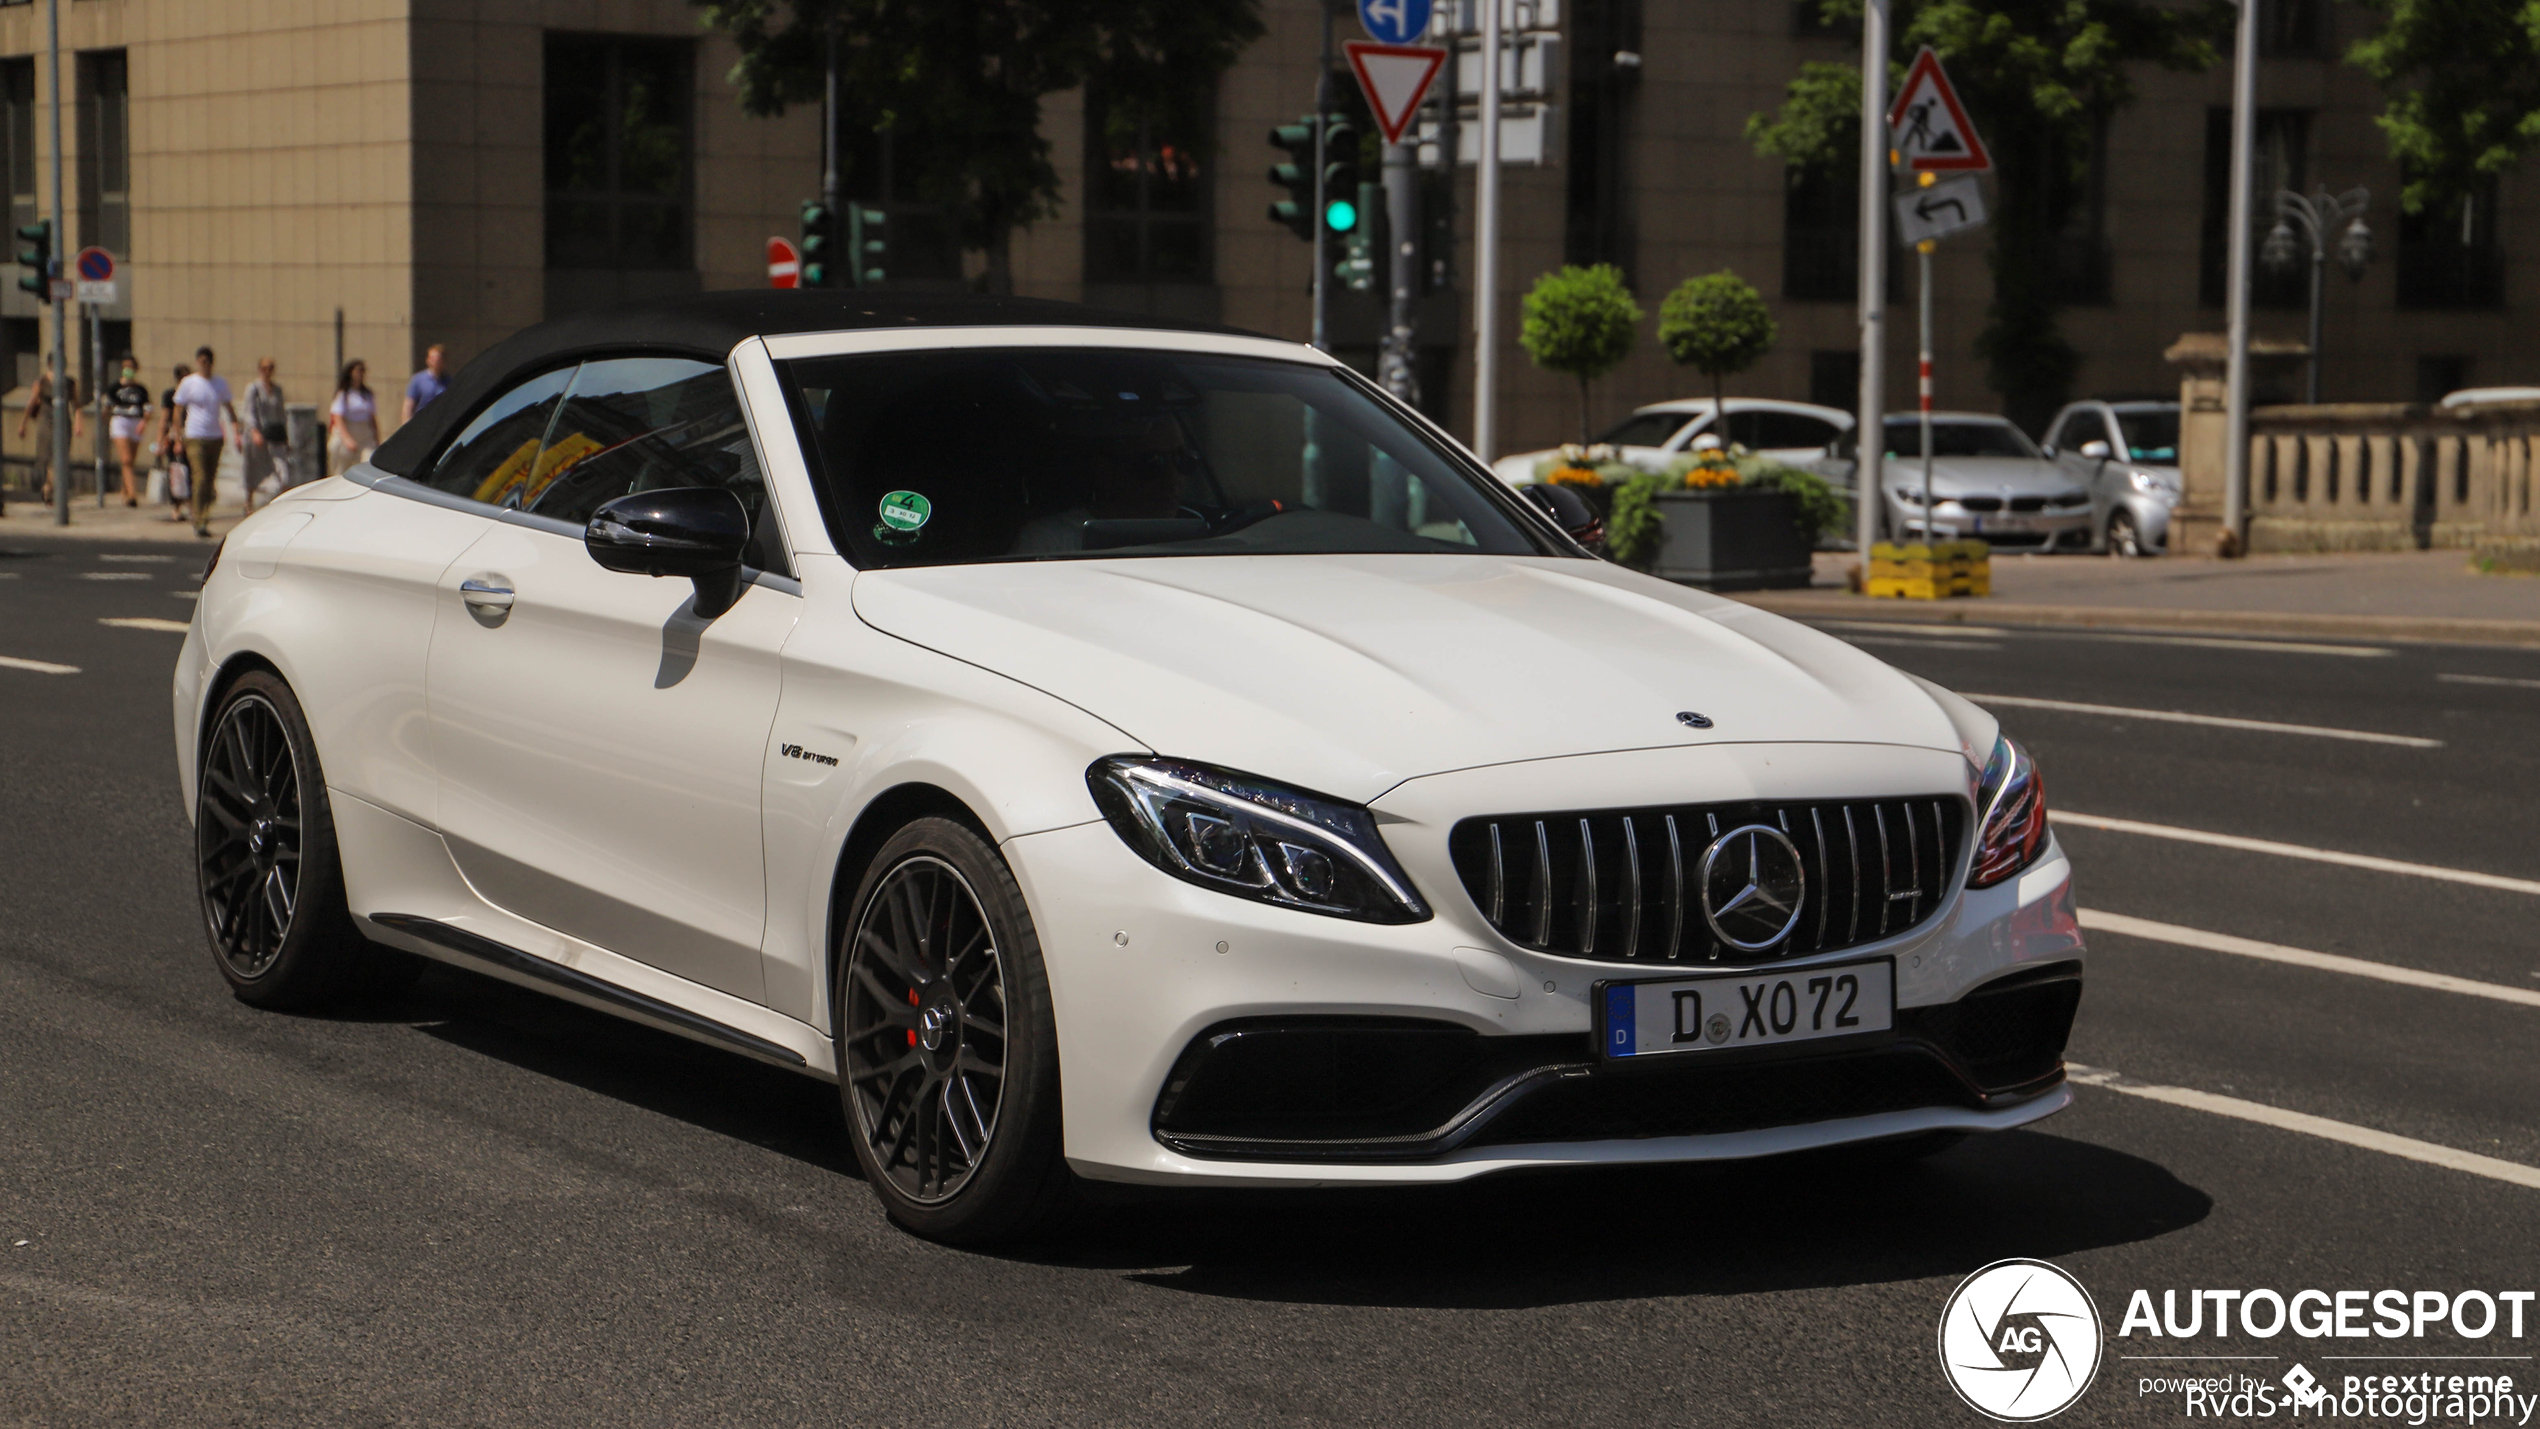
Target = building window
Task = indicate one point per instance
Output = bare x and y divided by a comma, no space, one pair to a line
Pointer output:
21,350
2440,375
2074,190
880,169
1809,21
17,145
105,153
621,152
1597,227
1147,203
1821,229
2279,163
2288,28
2448,256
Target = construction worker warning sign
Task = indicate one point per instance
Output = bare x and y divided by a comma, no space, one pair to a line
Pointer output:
1928,129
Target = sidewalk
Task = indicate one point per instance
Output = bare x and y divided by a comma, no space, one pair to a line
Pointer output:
117,522
2413,595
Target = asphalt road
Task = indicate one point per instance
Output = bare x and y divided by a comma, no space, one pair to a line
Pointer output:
475,1205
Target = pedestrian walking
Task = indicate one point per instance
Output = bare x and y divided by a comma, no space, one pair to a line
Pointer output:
39,410
268,433
128,416
425,386
172,448
352,420
209,420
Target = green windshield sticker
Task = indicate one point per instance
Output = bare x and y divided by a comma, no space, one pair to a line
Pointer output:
905,510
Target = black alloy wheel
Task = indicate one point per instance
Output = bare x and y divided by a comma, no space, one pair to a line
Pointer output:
248,836
947,1055
265,856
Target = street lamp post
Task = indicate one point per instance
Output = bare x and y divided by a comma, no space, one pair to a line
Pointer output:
2319,216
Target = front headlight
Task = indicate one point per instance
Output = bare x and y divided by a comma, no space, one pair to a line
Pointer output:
1254,839
2011,822
2151,485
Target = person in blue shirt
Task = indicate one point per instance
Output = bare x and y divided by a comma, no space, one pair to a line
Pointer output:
425,386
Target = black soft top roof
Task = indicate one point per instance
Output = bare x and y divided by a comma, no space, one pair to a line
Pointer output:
710,325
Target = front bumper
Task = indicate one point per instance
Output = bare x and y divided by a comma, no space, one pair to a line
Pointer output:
1144,969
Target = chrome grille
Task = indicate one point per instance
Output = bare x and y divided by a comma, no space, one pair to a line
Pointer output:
1622,885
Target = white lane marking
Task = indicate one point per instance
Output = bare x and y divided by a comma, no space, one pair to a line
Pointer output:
2262,726
2316,855
2490,680
2102,922
2513,1172
145,622
1901,627
8,575
1922,644
187,594
114,575
41,667
151,560
2276,647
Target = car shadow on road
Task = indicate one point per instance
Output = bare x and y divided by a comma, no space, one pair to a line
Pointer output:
785,1112
1822,1219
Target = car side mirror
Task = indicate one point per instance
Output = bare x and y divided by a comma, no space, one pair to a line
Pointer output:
695,531
1570,512
2097,451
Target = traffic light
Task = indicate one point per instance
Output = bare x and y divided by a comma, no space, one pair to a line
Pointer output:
37,256
1344,210
868,247
819,246
1357,266
1296,175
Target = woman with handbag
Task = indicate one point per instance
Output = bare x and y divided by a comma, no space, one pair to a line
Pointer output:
172,451
268,433
128,409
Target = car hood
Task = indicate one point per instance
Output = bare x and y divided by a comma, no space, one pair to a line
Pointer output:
1348,674
1954,474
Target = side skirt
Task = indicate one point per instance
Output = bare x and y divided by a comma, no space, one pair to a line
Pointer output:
472,947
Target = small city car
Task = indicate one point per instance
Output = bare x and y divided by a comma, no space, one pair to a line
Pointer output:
2126,453
1108,751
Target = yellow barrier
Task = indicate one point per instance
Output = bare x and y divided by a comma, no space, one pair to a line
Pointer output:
1930,572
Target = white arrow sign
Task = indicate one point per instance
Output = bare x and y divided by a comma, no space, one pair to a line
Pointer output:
1940,210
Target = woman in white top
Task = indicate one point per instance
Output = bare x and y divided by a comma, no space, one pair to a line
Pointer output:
352,420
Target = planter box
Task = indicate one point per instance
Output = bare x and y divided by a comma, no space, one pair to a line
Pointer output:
1732,538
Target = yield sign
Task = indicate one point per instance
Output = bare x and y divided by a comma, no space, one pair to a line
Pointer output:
1395,78
1929,127
784,264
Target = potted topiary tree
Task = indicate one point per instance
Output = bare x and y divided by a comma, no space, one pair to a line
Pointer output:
1580,321
1716,324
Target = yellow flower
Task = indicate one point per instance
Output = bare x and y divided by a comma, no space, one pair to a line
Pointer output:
1573,476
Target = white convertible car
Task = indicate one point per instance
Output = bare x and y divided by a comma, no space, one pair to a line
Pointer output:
1106,750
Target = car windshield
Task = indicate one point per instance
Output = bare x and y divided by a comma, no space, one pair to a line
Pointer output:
1959,438
948,458
2151,436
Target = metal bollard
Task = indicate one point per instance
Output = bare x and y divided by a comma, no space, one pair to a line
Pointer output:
306,461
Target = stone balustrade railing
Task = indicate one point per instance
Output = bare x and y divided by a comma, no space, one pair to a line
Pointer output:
2391,476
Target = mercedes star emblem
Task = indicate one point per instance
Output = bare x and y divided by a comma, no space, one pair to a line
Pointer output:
1752,886
1690,720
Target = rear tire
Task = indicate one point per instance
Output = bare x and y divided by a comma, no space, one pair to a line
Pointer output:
266,862
947,1049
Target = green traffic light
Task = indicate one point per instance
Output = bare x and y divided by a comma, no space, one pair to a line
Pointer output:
1340,215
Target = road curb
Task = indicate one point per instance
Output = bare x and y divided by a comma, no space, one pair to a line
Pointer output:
2446,630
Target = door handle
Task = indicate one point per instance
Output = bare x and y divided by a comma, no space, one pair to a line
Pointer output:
483,595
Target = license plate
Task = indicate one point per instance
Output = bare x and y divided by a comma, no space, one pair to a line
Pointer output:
1732,1010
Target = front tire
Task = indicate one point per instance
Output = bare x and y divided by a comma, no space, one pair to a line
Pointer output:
2124,541
266,863
947,1049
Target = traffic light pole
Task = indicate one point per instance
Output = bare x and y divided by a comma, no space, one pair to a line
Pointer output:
1869,444
1395,368
61,414
829,127
1322,200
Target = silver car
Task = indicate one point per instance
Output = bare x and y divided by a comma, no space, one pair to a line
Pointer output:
1987,480
2126,453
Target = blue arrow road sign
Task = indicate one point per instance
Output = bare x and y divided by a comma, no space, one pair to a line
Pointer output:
1394,22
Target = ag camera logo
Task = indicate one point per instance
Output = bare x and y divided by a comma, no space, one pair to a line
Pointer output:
2020,1340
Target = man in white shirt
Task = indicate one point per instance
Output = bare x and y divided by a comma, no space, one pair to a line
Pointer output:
204,399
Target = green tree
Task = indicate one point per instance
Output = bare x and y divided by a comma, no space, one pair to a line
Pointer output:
1716,324
968,79
1580,321
2037,76
2463,81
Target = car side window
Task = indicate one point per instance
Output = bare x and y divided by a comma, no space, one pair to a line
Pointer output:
1784,431
633,424
495,457
2078,426
1649,429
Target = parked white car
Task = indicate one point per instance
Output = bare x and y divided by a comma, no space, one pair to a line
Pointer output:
1655,435
987,707
1987,479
